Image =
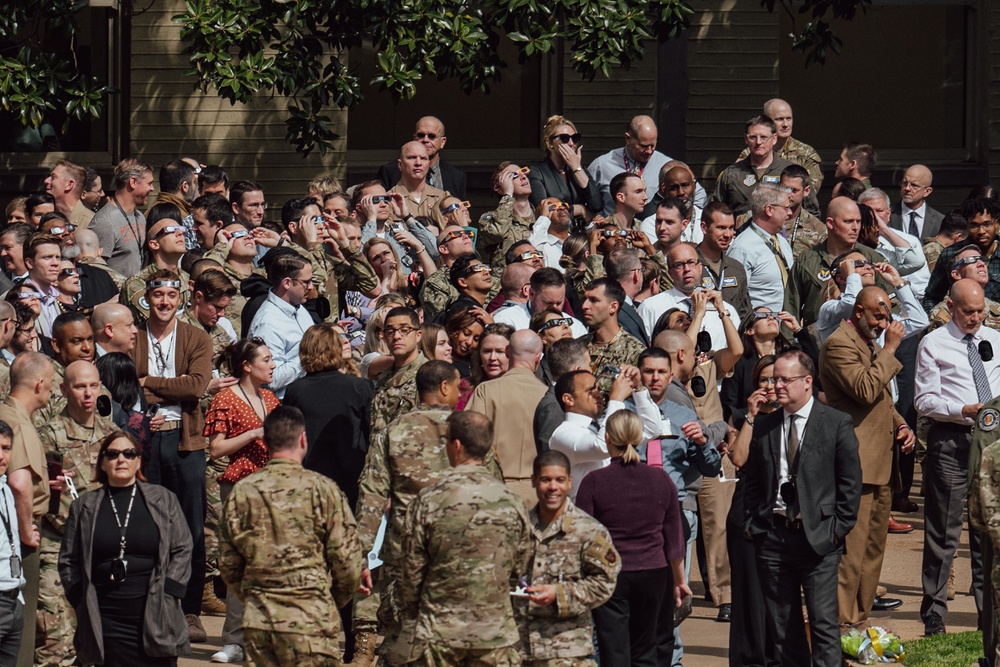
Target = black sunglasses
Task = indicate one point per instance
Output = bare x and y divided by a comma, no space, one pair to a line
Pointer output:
565,138
113,454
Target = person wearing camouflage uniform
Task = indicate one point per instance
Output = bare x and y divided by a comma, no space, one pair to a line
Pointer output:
466,543
984,515
71,439
72,340
166,251
511,221
8,329
295,573
803,230
403,459
972,266
235,253
739,180
608,343
574,568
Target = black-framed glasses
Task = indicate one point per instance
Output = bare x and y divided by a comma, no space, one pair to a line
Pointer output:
68,273
965,261
130,454
389,333
566,138
689,264
858,264
556,322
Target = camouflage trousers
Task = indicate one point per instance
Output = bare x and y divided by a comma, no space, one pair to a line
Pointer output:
213,511
445,656
55,621
285,649
562,662
364,616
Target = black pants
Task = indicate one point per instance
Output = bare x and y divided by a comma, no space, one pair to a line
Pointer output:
11,627
635,606
184,474
788,568
907,355
746,630
121,624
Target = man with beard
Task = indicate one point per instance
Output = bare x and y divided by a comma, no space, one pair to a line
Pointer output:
179,186
983,214
550,239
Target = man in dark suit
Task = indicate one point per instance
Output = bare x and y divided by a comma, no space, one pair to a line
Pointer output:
856,374
803,488
912,215
441,175
624,267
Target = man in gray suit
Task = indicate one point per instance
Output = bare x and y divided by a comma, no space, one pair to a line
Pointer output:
912,214
623,266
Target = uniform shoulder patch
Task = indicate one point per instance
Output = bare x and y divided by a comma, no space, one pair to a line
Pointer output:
749,180
707,282
824,274
143,303
989,419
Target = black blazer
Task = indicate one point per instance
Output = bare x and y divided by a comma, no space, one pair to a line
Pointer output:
932,222
547,181
629,320
337,408
829,477
453,177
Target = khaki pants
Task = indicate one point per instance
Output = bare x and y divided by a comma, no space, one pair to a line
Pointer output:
864,548
714,500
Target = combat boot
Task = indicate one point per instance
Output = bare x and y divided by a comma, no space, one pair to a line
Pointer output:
364,650
210,604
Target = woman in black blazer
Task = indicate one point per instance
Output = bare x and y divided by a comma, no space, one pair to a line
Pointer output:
561,173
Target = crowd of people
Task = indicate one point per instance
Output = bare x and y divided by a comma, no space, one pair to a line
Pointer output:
492,440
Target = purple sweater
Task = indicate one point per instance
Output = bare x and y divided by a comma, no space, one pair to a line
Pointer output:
638,505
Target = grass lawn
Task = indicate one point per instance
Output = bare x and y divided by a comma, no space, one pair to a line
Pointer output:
958,650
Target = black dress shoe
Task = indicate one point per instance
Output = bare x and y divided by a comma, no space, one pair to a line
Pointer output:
933,625
904,505
885,604
726,613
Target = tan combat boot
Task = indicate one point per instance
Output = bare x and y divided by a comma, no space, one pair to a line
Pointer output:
364,650
210,604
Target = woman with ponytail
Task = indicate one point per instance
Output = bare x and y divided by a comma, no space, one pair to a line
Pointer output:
638,505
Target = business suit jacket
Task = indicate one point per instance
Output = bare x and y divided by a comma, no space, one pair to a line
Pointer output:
859,385
932,220
628,318
829,477
453,177
547,181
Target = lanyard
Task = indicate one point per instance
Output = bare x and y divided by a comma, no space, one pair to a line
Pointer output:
639,168
121,527
5,517
770,244
135,216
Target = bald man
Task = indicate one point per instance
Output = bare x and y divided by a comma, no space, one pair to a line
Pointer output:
808,279
430,132
114,328
793,150
419,198
912,214
510,401
640,157
856,374
676,179
90,254
958,371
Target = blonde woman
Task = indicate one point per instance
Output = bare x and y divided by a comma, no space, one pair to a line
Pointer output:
638,505
561,174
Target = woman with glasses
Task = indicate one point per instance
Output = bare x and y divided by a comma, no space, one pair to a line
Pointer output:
761,332
234,426
68,284
746,629
375,356
562,174
125,563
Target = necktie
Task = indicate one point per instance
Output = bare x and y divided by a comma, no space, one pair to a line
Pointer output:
978,371
913,231
793,441
781,260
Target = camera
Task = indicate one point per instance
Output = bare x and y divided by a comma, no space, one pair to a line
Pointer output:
610,370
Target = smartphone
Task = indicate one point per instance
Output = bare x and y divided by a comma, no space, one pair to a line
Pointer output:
152,410
398,227
55,469
611,371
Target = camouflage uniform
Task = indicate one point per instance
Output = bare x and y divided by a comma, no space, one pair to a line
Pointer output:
133,292
4,377
932,250
289,550
499,229
466,542
804,232
940,315
402,459
984,513
331,274
574,553
75,447
56,399
437,293
807,157
624,348
740,179
809,275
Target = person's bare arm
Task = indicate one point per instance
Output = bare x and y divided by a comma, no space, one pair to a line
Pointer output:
20,485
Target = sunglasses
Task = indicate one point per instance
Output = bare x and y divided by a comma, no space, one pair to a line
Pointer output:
965,261
68,273
169,229
59,231
24,296
451,236
608,233
529,254
557,322
426,135
557,207
113,454
765,315
566,138
485,268
381,199
456,206
238,234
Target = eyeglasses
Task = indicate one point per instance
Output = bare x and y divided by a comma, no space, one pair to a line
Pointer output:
169,229
112,454
556,322
566,138
451,236
59,231
528,254
758,138
768,382
456,206
858,263
261,205
765,315
689,264
305,283
381,199
965,261
24,296
425,135
609,233
68,273
910,185
402,331
558,207
785,381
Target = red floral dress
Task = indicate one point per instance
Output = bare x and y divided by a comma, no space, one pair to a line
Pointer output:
230,414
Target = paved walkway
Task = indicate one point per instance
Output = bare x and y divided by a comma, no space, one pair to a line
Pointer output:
706,641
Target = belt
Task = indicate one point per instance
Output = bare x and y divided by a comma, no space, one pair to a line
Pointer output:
170,426
794,524
12,594
950,426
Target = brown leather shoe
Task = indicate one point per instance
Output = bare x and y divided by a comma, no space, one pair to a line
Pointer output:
196,631
899,528
364,650
211,605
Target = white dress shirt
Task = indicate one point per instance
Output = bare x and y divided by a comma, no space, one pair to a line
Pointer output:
607,166
944,382
909,261
282,326
519,317
691,234
585,445
653,308
784,464
764,283
904,214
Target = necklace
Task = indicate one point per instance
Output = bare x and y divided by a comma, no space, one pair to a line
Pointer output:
263,408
